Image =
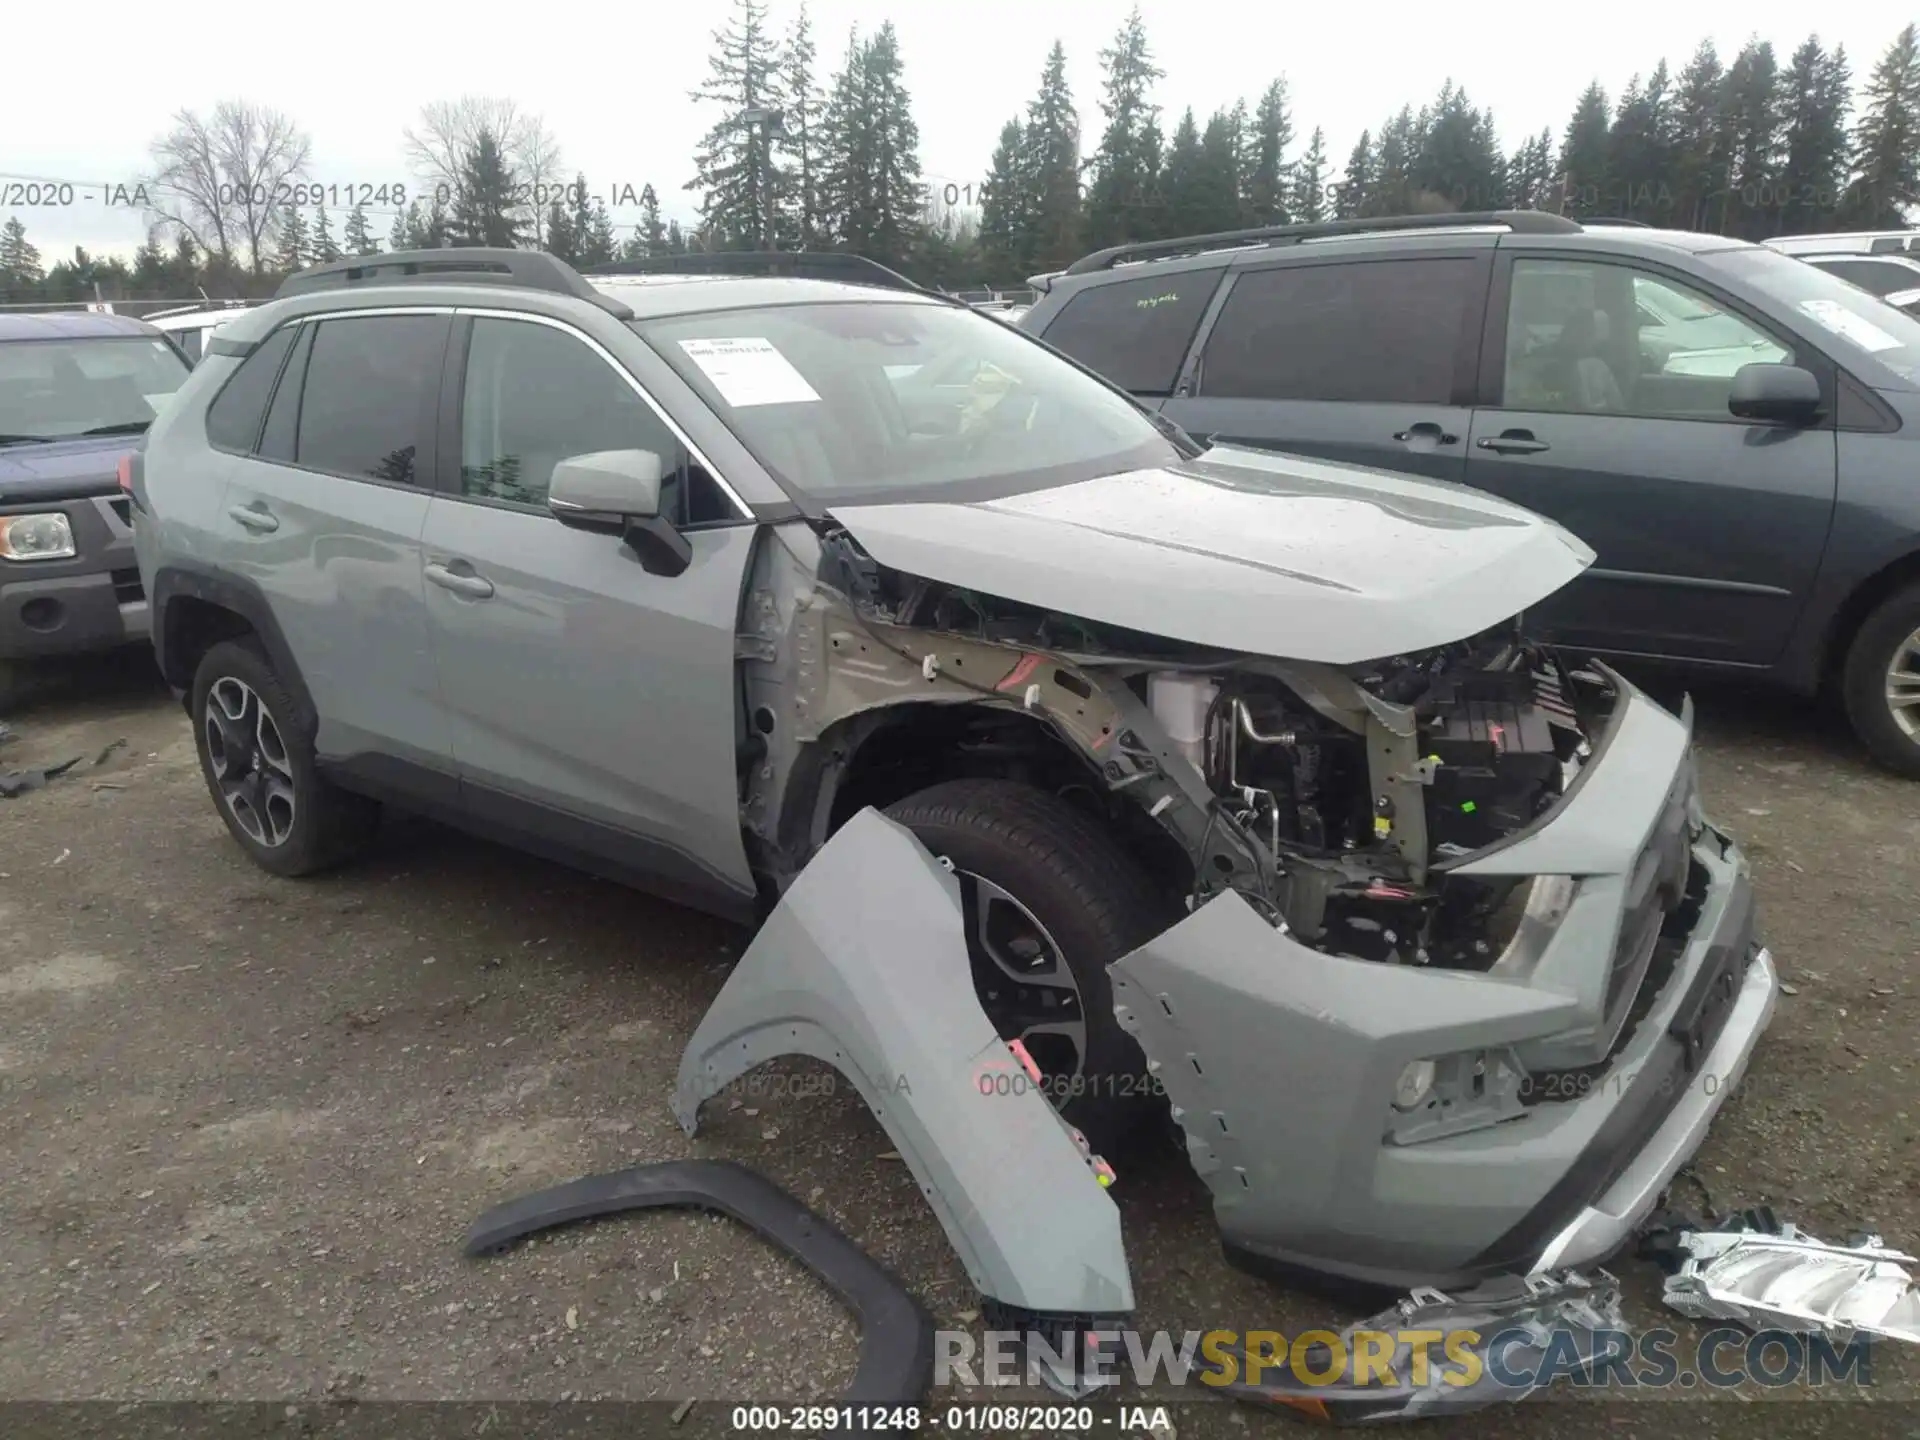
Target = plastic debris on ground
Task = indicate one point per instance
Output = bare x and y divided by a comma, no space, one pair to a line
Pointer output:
1544,1327
19,782
1752,1268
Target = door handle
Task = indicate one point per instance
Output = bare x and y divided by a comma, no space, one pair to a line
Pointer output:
1514,442
256,518
474,587
1426,430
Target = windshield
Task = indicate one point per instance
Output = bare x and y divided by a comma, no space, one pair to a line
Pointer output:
55,389
1854,325
869,401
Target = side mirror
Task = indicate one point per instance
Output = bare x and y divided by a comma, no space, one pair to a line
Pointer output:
617,492
1781,394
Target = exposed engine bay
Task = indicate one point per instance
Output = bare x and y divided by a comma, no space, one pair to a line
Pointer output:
1331,797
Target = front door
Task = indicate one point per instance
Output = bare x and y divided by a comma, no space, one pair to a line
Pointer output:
591,704
1609,386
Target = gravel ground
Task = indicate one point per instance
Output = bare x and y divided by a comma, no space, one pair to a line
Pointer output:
246,1121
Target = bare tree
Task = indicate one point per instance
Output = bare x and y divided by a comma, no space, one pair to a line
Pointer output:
218,180
440,147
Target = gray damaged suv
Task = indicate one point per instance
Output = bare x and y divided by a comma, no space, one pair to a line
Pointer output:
834,604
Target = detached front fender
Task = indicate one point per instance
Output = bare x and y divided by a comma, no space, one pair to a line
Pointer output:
863,965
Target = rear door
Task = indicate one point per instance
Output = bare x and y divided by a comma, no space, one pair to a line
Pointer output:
324,516
1368,360
1603,414
591,703
1134,332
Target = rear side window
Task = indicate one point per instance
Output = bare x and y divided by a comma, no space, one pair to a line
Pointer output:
1877,279
1380,332
233,420
366,402
1135,332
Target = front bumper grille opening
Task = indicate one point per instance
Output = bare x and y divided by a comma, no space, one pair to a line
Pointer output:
127,589
122,507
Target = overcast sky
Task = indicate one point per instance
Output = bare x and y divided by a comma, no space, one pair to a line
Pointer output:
613,87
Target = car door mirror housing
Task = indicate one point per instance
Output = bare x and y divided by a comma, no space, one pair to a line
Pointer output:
608,485
617,492
1783,394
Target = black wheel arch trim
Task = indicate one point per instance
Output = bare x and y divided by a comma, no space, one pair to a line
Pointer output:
895,1365
231,593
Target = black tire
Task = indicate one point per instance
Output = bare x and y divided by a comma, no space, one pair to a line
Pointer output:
1094,901
1878,641
323,825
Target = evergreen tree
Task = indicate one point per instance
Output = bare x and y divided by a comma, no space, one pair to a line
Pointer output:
562,242
1818,91
296,247
652,234
599,246
1585,186
1699,164
324,248
1051,166
484,203
846,143
1356,182
1006,249
1753,125
1457,166
184,266
798,152
1530,174
19,261
1181,179
676,238
1308,201
1390,190
1125,166
1269,178
736,169
1886,143
887,229
1640,149
358,237
406,224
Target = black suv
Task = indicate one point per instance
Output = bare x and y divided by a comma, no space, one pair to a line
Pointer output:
1725,425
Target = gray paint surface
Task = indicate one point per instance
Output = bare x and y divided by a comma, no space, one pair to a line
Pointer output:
1265,554
863,965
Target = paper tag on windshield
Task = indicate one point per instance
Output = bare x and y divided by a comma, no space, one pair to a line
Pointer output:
749,371
1849,326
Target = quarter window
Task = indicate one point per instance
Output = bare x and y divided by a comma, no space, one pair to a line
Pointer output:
1135,332
1380,332
369,386
233,420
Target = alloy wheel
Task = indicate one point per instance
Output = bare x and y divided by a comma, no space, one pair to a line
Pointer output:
1025,986
249,762
1903,686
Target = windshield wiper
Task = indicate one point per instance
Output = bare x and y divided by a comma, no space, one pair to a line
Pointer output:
26,439
122,427
1177,433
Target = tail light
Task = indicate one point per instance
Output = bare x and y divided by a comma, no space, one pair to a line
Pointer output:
126,473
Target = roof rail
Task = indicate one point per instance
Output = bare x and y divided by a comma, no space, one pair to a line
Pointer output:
1521,222
464,265
1612,221
839,265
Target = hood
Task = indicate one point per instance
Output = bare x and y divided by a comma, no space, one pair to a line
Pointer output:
62,469
1243,550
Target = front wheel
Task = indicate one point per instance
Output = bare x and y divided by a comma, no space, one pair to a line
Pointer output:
1881,684
1050,900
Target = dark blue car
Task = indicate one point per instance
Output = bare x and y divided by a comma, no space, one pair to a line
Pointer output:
77,392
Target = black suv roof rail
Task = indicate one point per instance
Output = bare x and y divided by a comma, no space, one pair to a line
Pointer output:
1521,222
1615,220
838,265
463,265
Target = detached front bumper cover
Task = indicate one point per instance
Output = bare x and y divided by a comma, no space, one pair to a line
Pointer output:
1447,1354
1769,1275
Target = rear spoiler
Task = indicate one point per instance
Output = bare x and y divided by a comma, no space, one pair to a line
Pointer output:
1044,283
